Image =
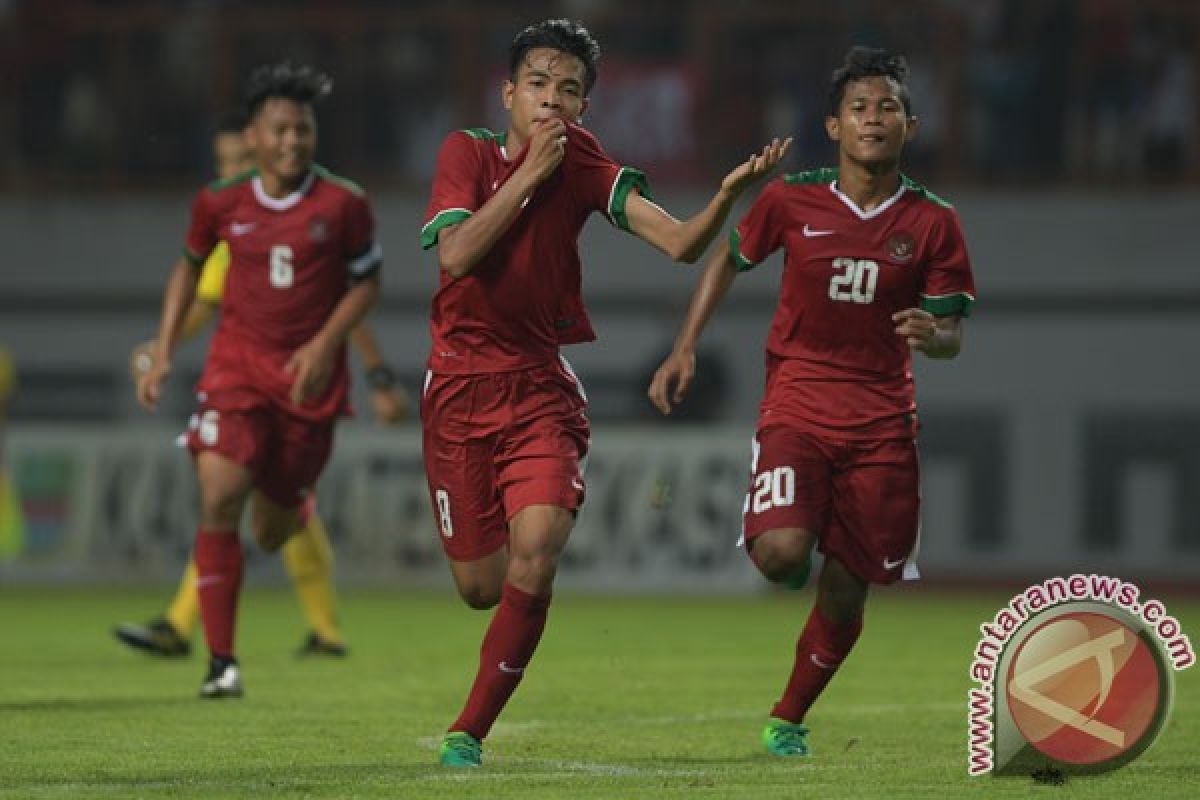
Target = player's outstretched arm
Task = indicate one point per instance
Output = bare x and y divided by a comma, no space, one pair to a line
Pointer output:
177,298
141,358
686,241
674,376
462,246
312,365
388,400
936,337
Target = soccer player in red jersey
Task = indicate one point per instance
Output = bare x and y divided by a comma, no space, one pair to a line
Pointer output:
304,270
874,267
505,419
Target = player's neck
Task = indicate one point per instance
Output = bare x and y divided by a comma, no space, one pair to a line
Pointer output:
865,186
513,142
277,186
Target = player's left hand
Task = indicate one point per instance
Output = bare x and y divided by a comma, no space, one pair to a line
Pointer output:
755,167
310,367
918,327
390,405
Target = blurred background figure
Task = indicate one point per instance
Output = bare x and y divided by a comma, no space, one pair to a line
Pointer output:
12,523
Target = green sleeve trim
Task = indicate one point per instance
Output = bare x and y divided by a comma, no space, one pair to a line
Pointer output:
945,305
627,179
193,259
742,263
922,192
334,178
444,219
225,183
823,175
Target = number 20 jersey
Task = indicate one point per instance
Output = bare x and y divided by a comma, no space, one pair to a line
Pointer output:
835,362
291,262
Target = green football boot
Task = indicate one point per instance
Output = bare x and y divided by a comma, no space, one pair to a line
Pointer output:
784,738
460,749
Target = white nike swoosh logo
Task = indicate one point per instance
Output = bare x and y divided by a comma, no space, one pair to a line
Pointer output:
242,228
207,580
889,564
821,664
811,232
578,484
510,670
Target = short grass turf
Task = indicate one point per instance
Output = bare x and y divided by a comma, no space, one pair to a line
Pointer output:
660,697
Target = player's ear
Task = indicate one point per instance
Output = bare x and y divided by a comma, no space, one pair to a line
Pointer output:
910,132
582,110
506,94
833,127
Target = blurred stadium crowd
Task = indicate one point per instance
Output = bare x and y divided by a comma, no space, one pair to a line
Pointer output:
121,95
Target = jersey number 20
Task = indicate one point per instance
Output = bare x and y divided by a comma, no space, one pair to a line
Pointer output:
853,280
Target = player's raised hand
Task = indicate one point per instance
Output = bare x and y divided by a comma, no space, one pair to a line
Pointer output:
546,149
918,327
149,382
672,379
310,367
758,165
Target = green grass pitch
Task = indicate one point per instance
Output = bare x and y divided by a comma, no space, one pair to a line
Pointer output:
659,697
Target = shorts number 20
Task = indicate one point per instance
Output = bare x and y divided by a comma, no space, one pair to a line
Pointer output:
775,487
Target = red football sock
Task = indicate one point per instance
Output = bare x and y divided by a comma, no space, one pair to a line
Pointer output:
819,652
507,648
218,558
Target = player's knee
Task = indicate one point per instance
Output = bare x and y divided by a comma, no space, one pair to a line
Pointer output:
272,536
841,594
220,509
780,558
480,598
533,573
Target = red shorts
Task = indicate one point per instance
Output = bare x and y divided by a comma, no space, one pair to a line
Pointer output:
860,498
496,443
285,453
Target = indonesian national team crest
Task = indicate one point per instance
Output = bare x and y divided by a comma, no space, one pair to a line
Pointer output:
901,246
318,229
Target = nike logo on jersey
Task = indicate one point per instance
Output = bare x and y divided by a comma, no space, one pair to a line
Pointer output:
241,228
810,232
510,670
888,564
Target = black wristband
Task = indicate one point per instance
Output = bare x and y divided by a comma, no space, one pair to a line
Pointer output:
381,378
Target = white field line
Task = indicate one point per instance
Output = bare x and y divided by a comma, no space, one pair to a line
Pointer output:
506,729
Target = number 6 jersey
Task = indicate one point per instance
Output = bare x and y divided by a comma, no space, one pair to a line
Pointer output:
835,362
291,261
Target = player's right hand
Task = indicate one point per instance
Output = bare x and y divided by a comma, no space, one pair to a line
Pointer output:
677,370
141,359
149,384
546,149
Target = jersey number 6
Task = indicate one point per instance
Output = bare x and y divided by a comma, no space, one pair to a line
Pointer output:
282,272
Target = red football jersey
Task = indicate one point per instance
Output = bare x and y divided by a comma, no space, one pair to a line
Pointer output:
834,359
291,262
522,300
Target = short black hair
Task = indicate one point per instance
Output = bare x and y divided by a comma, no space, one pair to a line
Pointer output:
868,62
564,35
231,120
297,82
